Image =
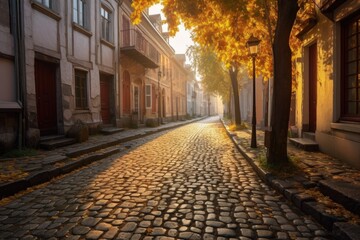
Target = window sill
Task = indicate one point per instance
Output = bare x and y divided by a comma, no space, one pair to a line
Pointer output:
81,111
347,127
47,11
7,106
81,29
107,43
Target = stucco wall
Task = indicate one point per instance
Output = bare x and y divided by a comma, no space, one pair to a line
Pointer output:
323,35
54,35
336,138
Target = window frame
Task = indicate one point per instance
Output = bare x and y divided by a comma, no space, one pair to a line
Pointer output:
81,81
108,18
148,96
345,100
6,16
49,4
85,13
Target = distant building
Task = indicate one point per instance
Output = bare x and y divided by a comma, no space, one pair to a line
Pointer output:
151,78
191,94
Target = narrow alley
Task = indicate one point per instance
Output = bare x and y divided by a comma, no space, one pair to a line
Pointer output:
187,183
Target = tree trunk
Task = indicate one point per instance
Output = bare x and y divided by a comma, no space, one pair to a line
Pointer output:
235,87
277,151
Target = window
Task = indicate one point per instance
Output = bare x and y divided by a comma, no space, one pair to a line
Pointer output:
5,13
106,24
81,89
148,96
136,99
154,98
47,3
351,69
80,12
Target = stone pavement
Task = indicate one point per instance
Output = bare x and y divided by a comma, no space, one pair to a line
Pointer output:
17,174
319,185
188,183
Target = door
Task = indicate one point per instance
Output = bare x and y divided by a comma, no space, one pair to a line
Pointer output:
126,93
312,87
163,112
45,86
105,99
136,99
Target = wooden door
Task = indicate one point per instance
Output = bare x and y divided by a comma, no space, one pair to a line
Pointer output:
105,99
126,93
163,112
312,87
45,85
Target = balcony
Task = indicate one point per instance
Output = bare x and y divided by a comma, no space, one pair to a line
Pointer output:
134,45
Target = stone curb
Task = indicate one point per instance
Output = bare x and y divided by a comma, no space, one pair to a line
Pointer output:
340,229
14,187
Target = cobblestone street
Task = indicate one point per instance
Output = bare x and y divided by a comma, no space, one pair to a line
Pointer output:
187,183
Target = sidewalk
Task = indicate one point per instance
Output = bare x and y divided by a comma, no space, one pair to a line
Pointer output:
316,183
18,174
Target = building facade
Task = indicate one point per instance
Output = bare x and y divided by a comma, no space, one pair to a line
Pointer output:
150,77
12,72
328,94
70,64
71,61
180,76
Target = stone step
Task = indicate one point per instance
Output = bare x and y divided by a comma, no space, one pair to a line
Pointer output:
305,144
344,193
111,130
56,143
51,138
309,135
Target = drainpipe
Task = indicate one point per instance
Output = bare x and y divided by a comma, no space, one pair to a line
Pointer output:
16,9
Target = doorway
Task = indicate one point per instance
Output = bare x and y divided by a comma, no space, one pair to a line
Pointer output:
126,92
136,110
45,86
105,98
312,87
163,110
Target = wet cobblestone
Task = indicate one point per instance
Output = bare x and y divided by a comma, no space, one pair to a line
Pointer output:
188,183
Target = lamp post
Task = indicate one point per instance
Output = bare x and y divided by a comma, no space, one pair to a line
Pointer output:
159,76
253,47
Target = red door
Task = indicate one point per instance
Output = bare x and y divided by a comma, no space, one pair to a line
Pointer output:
312,87
105,99
45,84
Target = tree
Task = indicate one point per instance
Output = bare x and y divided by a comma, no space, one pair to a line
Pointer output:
277,150
214,75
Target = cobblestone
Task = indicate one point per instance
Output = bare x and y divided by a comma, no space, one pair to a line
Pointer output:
188,183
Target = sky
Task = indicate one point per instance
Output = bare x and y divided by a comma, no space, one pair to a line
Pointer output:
182,39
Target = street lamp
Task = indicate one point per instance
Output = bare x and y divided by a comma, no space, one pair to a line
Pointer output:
253,46
159,76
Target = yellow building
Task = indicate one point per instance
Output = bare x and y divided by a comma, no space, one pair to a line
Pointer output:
328,94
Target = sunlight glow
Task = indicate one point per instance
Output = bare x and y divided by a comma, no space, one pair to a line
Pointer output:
182,39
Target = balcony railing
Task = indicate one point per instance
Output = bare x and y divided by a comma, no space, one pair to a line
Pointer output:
136,46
